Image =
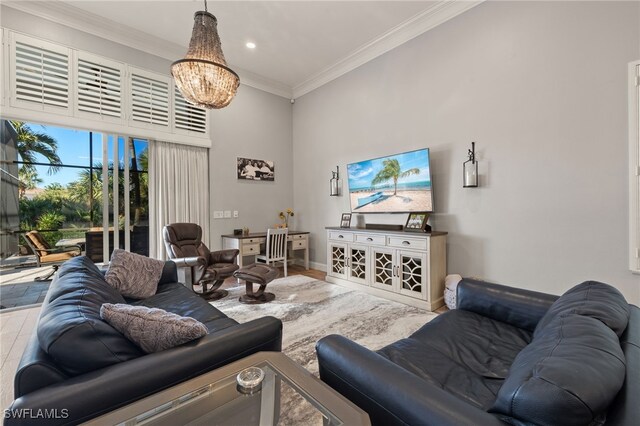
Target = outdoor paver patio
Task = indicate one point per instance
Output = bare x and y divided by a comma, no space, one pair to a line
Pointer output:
18,286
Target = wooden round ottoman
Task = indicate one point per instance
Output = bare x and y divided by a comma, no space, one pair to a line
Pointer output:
256,274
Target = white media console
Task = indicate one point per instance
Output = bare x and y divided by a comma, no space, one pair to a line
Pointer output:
407,267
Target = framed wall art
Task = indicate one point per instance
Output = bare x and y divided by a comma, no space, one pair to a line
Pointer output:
258,170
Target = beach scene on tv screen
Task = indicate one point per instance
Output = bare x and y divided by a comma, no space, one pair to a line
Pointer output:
397,183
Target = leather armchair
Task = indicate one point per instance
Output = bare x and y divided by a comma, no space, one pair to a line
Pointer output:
200,266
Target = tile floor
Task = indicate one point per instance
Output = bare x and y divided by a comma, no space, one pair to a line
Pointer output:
19,288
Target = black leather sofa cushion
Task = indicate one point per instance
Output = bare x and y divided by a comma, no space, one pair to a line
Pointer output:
70,329
175,297
515,306
625,408
593,299
568,375
461,352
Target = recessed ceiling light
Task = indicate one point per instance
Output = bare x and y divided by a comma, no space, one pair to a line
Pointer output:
250,45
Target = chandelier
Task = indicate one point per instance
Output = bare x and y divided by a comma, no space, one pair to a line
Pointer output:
202,76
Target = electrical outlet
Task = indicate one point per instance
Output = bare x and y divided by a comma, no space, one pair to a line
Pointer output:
235,213
227,214
217,214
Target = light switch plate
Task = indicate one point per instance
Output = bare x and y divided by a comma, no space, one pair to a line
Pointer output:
217,214
227,214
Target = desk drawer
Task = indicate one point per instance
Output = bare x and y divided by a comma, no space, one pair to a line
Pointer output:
371,239
407,242
248,249
299,245
297,237
249,241
341,236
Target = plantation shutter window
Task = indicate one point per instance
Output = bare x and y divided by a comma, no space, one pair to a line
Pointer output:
39,74
99,87
188,117
150,100
44,81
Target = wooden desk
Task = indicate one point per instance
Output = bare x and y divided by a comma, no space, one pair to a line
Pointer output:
249,245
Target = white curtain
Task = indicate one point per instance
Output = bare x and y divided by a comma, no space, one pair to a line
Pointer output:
178,190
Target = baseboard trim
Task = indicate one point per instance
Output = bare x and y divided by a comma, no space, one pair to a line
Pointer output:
313,265
417,303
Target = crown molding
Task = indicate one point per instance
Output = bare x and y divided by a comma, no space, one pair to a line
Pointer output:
65,14
430,18
259,82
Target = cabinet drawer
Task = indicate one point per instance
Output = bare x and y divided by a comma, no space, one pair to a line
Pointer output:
370,239
407,242
341,236
297,237
249,241
250,249
298,244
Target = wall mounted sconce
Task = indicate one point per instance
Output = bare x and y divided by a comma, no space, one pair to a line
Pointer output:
470,169
334,183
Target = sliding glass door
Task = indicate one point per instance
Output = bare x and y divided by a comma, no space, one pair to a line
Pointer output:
74,187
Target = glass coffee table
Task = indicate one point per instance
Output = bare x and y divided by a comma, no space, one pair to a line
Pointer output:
289,395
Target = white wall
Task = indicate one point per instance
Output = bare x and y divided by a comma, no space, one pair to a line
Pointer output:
48,30
256,125
542,88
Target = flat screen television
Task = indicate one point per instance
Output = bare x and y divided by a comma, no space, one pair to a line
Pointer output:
399,183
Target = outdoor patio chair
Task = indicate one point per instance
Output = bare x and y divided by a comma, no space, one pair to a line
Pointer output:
46,255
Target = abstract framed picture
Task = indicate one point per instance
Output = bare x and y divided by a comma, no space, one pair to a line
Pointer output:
257,170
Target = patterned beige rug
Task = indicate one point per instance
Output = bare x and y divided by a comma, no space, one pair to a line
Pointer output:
310,309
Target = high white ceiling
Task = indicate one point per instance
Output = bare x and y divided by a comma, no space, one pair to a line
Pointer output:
300,44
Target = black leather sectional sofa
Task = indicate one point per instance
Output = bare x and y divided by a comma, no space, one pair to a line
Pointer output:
505,356
77,367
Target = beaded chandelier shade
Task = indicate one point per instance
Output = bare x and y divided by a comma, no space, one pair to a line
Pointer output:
202,76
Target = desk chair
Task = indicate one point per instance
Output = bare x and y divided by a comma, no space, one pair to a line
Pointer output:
47,255
275,248
184,245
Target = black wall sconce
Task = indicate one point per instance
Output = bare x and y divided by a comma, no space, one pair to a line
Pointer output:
470,169
334,183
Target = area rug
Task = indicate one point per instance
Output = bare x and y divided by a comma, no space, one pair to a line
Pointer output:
310,309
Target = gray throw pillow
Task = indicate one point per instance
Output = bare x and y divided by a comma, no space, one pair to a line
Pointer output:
152,329
133,275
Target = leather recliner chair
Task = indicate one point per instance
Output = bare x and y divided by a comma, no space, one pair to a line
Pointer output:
200,266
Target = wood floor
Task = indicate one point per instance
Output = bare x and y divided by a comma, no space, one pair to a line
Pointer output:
15,330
